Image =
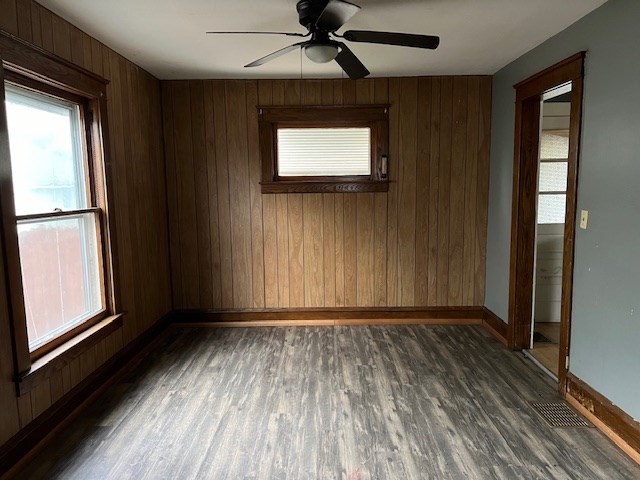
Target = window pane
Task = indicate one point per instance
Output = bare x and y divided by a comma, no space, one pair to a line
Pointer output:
46,152
553,176
61,281
324,151
554,144
551,208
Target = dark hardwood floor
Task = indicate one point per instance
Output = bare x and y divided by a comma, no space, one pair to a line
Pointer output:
352,403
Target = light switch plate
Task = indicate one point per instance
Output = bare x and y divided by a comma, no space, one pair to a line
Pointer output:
584,219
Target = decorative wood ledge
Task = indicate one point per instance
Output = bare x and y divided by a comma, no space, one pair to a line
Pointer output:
325,185
45,366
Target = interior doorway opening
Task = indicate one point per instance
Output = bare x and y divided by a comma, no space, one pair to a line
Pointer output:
553,169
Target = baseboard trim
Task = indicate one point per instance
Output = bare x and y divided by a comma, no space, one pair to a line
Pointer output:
494,324
25,444
330,317
620,427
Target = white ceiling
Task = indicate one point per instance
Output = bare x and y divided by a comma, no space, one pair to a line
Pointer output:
167,37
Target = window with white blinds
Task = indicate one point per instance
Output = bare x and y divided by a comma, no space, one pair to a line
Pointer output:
330,152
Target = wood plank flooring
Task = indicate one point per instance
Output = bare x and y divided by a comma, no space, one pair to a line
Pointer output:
547,353
352,403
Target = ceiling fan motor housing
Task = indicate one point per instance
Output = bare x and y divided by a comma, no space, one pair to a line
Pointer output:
322,18
309,11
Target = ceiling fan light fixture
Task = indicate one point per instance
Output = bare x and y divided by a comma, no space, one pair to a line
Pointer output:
321,53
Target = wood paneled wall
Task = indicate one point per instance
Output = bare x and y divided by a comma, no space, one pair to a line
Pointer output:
421,244
139,206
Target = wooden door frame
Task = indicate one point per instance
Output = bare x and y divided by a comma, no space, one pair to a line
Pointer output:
523,221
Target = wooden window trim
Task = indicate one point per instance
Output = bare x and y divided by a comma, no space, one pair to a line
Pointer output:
272,118
72,348
40,70
89,166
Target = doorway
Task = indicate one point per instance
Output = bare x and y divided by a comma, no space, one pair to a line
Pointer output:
547,138
553,168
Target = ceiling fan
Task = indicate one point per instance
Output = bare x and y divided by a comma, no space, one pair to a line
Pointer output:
322,18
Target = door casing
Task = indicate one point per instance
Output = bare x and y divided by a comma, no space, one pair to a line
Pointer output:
523,221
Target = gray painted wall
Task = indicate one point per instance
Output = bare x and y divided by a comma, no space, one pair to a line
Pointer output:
605,338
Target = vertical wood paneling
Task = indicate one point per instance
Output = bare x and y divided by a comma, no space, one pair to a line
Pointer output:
296,251
444,188
25,413
202,203
87,55
46,28
61,37
36,30
213,200
174,230
77,47
434,194
456,197
118,131
222,176
422,191
239,198
350,232
407,190
187,220
96,56
282,224
57,386
328,255
470,191
482,205
339,249
420,244
138,205
9,17
23,11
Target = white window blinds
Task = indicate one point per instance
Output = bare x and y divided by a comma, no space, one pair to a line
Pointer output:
324,151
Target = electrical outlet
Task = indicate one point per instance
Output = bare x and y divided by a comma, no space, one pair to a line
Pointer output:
584,219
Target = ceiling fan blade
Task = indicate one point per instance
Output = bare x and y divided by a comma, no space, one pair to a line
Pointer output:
274,55
389,38
350,63
288,34
336,14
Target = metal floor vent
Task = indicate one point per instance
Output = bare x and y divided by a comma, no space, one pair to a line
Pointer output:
559,414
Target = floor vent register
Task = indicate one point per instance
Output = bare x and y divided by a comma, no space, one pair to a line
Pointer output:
559,414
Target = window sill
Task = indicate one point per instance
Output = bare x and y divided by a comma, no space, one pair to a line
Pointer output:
324,186
55,360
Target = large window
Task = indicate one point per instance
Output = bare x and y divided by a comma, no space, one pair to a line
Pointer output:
55,229
324,149
58,220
